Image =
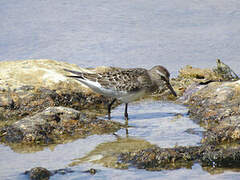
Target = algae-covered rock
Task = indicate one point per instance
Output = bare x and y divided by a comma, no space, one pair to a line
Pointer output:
161,158
157,158
226,131
220,156
212,103
54,125
226,73
28,86
39,173
192,76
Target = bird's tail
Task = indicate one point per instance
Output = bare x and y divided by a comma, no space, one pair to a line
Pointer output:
78,74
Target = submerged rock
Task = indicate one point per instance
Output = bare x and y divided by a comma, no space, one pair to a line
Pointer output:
161,158
220,156
39,173
182,157
54,125
91,171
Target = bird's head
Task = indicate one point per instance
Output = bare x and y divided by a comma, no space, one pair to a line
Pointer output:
160,74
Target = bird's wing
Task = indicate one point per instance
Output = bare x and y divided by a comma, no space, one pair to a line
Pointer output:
120,80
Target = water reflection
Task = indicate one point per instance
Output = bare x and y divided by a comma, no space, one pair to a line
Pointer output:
107,153
162,123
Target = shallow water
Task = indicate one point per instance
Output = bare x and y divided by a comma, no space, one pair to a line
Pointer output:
151,122
122,33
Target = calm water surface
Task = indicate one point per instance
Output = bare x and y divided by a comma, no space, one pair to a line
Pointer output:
138,33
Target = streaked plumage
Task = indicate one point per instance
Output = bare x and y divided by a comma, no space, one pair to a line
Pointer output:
125,84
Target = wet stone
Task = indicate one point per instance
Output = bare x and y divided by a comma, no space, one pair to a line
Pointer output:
62,171
39,173
220,156
54,125
91,171
227,131
161,158
183,157
214,102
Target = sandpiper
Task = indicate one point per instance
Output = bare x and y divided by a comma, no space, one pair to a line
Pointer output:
125,84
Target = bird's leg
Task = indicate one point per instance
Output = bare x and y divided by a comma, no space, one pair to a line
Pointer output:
109,108
126,127
126,114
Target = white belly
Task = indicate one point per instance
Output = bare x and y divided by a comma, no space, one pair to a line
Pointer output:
128,97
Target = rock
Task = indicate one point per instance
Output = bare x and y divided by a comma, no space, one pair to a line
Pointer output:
217,156
39,173
29,86
191,76
182,157
226,131
214,102
55,124
91,171
62,171
157,158
198,74
225,71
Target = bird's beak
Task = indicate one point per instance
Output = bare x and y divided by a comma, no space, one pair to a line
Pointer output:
171,89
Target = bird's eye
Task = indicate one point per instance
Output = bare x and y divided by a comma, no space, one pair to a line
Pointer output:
163,78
